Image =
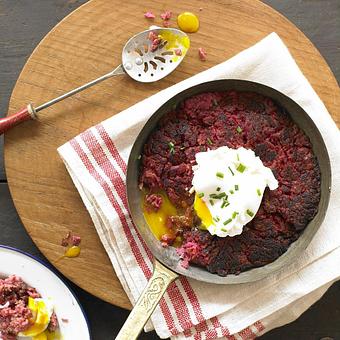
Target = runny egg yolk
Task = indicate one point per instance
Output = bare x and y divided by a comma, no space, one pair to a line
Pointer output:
41,336
203,212
157,219
188,22
73,251
40,319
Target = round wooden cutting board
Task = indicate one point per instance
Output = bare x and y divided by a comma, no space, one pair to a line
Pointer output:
87,44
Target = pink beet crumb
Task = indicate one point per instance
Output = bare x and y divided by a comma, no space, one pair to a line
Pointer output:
75,240
152,36
178,51
149,15
166,15
70,239
187,252
65,241
202,54
166,23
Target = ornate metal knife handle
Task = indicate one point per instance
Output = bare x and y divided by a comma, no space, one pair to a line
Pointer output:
147,302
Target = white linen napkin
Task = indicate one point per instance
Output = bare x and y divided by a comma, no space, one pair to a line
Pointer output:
96,161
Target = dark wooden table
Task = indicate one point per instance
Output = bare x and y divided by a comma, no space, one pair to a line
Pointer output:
23,23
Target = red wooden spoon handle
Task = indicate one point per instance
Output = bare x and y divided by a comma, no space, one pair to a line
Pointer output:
21,116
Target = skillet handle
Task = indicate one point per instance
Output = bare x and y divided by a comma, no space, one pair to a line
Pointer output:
147,302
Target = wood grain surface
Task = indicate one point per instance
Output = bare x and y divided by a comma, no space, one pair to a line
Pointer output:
83,46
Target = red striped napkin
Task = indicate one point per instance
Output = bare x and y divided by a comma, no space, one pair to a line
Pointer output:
96,161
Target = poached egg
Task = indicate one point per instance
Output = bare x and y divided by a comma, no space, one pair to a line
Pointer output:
42,310
229,185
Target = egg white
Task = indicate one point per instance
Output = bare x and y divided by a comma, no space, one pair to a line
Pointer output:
49,308
242,176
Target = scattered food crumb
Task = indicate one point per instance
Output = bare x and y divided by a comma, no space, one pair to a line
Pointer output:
65,241
166,15
202,54
53,325
152,35
201,9
149,15
64,320
70,240
155,40
186,253
153,202
75,240
178,51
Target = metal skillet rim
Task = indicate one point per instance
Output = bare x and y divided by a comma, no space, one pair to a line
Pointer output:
168,256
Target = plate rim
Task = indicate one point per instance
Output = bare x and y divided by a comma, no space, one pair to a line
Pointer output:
49,267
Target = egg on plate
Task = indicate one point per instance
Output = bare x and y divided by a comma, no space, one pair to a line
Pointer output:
42,310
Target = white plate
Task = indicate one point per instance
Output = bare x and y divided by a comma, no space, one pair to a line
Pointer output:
38,275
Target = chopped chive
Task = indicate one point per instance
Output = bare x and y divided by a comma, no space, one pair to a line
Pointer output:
238,157
258,192
231,191
224,204
219,174
219,196
236,187
227,221
211,202
200,195
250,213
232,172
209,141
241,168
225,230
235,213
214,102
218,189
216,219
171,147
239,129
139,157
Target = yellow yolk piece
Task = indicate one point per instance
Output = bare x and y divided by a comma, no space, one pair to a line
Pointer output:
41,318
188,22
203,212
175,41
53,335
73,251
41,336
157,219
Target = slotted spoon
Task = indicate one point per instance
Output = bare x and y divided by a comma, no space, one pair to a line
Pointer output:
143,59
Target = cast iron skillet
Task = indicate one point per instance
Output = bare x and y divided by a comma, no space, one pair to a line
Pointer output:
167,263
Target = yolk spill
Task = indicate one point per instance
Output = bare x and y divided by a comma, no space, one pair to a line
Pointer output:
175,41
188,22
53,335
41,336
157,219
73,251
203,212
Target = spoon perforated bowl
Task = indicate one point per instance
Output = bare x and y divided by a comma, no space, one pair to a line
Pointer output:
146,61
146,57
